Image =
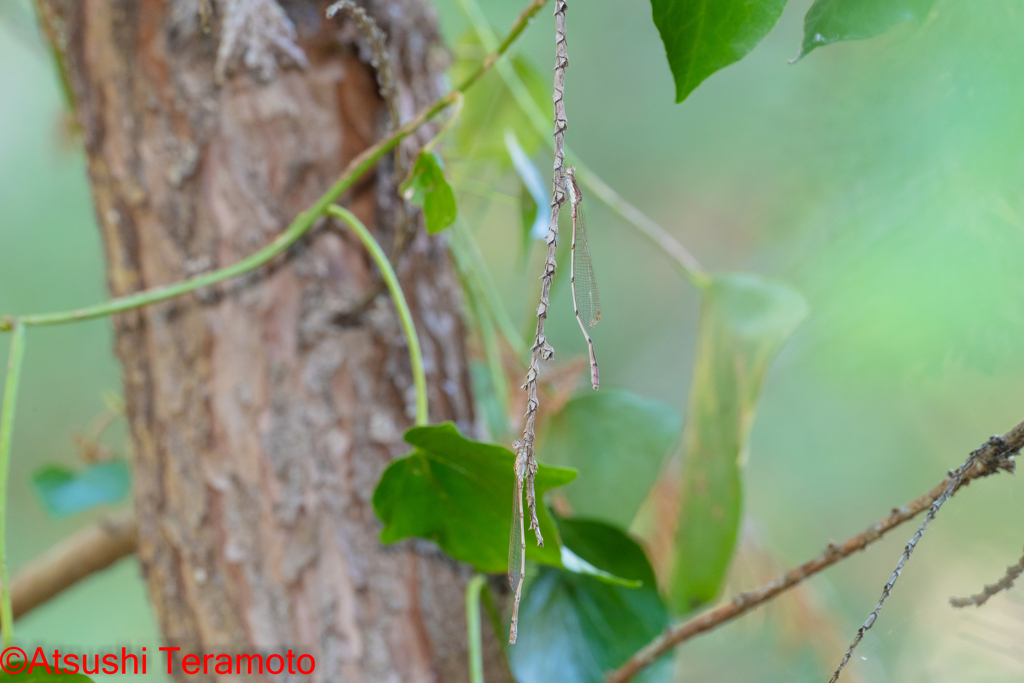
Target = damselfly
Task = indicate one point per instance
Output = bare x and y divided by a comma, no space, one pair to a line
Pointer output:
517,544
581,272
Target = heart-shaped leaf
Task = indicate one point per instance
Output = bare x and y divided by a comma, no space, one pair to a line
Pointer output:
458,493
64,491
574,628
428,188
744,322
618,442
703,36
829,21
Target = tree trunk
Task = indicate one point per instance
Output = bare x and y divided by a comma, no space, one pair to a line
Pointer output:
263,411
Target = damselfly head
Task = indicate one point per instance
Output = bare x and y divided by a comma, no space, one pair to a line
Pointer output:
571,187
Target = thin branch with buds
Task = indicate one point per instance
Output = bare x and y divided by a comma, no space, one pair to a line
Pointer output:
995,456
995,448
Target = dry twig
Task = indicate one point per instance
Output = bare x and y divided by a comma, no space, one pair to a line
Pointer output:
541,349
526,460
380,58
997,448
989,459
1013,573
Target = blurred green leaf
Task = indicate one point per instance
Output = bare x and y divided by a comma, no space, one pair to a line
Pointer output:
607,547
487,400
534,203
490,108
574,628
39,674
618,441
744,322
428,188
64,491
829,21
572,562
458,493
703,36
528,218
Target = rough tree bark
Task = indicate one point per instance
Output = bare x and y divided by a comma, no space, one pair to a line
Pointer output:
263,412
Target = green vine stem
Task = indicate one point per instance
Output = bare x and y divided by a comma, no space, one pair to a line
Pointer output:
685,261
419,377
17,353
476,655
302,223
448,125
299,227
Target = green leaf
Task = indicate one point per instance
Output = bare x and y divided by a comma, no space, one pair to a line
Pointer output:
490,107
574,628
532,196
618,442
829,21
487,401
744,322
571,562
38,672
428,188
458,493
64,491
607,547
528,220
703,36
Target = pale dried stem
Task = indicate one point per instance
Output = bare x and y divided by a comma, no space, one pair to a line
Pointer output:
380,58
1013,573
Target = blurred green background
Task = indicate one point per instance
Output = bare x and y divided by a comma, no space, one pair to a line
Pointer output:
884,179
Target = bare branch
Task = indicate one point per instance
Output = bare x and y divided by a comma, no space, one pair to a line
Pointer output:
1004,584
995,448
993,457
85,552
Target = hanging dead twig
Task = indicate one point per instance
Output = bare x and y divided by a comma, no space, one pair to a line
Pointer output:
526,461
